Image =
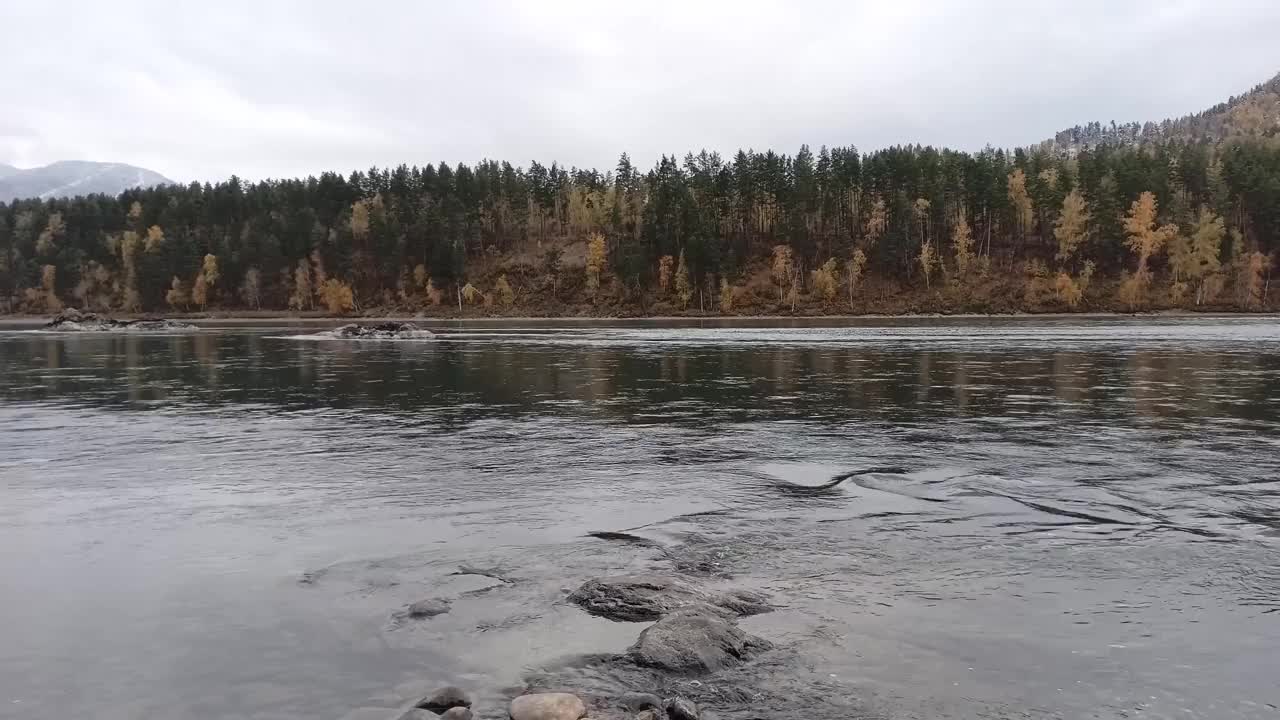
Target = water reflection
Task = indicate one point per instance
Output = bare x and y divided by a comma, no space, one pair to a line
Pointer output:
624,384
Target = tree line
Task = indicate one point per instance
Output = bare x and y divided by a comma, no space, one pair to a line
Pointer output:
1165,224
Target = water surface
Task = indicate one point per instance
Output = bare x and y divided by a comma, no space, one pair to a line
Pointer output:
224,524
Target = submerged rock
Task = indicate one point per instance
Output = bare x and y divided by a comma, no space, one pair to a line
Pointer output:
694,641
679,708
72,320
382,331
548,706
639,598
446,698
639,701
427,608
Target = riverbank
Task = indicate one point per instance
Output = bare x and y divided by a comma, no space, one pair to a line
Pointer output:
277,316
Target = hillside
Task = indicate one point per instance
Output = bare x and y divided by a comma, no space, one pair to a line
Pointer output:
1253,114
1154,223
70,178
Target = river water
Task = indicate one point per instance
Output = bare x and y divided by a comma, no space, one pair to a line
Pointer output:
224,524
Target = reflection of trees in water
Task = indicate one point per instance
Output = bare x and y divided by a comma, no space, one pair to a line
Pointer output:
455,382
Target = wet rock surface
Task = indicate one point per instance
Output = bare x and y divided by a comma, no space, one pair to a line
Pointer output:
679,708
694,640
428,608
458,713
548,706
640,701
72,320
381,331
638,598
444,699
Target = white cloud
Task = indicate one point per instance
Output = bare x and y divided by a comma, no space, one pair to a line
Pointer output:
287,88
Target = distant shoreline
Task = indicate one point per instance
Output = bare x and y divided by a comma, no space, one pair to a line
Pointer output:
274,316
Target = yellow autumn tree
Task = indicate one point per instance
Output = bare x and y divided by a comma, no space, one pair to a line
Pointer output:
200,291
155,239
665,264
251,288
301,298
1072,226
928,260
503,290
132,301
178,295
468,293
1203,258
1251,269
49,284
360,219
877,221
782,270
337,296
1145,240
684,288
210,270
55,228
962,245
727,295
826,281
1020,201
595,264
854,270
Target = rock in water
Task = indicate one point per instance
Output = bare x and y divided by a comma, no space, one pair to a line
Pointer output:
679,708
639,598
428,608
694,641
548,706
416,714
382,331
72,320
638,701
458,713
650,715
444,699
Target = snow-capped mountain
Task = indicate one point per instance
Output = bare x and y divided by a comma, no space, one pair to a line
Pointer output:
69,178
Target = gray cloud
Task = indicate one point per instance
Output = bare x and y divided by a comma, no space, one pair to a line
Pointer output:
271,89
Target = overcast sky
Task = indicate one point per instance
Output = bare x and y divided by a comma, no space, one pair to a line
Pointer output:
199,91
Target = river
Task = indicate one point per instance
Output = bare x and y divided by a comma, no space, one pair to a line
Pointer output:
225,523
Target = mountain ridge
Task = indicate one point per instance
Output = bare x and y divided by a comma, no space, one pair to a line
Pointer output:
68,178
1254,113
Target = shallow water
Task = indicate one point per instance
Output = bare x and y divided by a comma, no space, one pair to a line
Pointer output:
224,524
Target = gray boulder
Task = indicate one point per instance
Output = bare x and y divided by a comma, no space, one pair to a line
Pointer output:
429,607
694,641
679,708
458,713
640,598
548,706
445,698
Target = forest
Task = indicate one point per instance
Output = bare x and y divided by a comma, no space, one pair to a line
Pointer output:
1176,223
